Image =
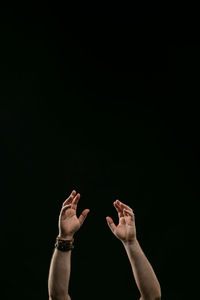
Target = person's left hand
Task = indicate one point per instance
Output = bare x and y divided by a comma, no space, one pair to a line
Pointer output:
68,222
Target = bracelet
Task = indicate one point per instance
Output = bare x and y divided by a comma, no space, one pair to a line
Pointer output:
64,245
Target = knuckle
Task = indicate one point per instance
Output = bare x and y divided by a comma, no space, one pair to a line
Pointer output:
66,207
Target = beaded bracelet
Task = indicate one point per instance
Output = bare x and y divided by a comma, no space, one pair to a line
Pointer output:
64,245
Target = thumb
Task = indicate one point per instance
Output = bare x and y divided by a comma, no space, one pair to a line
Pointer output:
111,224
83,216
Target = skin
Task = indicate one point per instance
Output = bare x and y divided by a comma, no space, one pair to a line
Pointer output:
69,223
125,231
143,272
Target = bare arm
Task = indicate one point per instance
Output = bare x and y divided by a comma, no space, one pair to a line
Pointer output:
143,272
59,275
60,266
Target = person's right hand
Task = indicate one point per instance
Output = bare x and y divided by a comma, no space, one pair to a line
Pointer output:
125,230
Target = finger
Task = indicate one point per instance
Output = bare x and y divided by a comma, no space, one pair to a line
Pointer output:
70,198
64,208
111,224
118,209
122,205
83,216
129,214
75,201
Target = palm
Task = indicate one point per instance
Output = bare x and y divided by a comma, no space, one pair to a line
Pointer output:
69,221
124,231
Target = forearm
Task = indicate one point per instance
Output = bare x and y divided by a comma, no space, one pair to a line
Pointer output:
143,272
59,274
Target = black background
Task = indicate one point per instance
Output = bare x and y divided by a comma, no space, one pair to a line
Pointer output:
103,100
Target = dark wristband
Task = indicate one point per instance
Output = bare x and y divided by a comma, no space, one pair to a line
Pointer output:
64,245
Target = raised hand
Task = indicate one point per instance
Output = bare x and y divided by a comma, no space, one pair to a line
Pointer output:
125,230
68,222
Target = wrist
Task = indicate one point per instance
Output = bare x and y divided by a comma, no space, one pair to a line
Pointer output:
66,236
64,243
130,243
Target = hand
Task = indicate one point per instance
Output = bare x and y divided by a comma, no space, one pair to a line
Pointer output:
125,230
68,222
